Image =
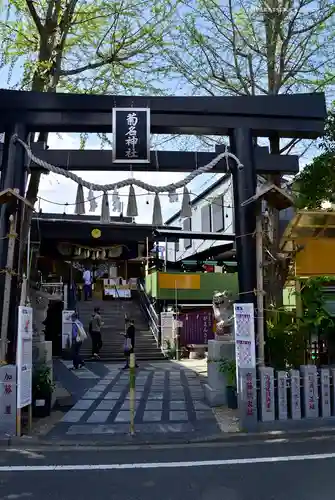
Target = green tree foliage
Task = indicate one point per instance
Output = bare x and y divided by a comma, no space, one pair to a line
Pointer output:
257,47
101,46
83,46
316,182
289,337
253,47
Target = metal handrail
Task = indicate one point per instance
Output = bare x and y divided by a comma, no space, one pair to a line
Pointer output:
149,311
149,305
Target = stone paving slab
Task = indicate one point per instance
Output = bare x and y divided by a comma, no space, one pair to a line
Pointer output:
168,399
83,372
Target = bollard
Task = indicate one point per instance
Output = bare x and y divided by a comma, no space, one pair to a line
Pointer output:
132,393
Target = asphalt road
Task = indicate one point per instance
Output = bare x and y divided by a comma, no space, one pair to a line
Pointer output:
299,470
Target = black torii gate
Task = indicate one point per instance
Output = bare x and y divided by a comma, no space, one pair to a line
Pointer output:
241,118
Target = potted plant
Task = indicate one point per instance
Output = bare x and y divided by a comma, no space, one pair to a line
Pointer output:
42,389
228,367
170,350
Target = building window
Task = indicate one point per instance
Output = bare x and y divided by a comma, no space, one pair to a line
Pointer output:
187,226
206,219
176,246
218,214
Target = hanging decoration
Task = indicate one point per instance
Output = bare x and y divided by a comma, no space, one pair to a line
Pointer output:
186,209
173,197
171,188
116,202
105,216
92,200
132,203
96,233
157,219
79,208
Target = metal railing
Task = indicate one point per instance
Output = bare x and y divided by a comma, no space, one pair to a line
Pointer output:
149,312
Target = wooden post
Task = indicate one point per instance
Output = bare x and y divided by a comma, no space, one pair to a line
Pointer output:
30,418
177,331
18,422
7,291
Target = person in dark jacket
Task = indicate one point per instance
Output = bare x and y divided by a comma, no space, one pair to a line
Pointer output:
129,341
95,332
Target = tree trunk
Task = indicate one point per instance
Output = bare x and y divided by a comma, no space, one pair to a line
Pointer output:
47,82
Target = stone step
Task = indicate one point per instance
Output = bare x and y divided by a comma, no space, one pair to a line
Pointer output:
121,347
110,359
113,341
120,355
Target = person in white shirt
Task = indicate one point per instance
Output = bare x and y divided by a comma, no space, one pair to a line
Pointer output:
87,277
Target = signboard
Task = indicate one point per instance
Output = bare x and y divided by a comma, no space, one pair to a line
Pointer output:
325,392
131,135
67,328
295,398
267,389
122,292
282,395
248,399
244,336
197,327
167,326
246,364
24,356
7,400
310,388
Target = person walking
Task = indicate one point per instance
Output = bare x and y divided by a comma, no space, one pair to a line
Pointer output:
129,346
78,337
95,330
87,277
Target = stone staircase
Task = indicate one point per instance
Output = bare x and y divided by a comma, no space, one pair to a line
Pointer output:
113,313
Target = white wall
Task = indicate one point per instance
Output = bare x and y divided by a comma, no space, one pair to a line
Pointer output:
201,245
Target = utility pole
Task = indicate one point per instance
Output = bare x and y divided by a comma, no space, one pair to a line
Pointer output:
277,198
260,285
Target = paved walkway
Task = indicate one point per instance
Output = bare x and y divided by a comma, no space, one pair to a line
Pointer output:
169,399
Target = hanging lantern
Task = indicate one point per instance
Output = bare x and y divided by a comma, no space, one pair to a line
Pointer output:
88,253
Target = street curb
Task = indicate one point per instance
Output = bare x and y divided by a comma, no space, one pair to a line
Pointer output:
127,441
